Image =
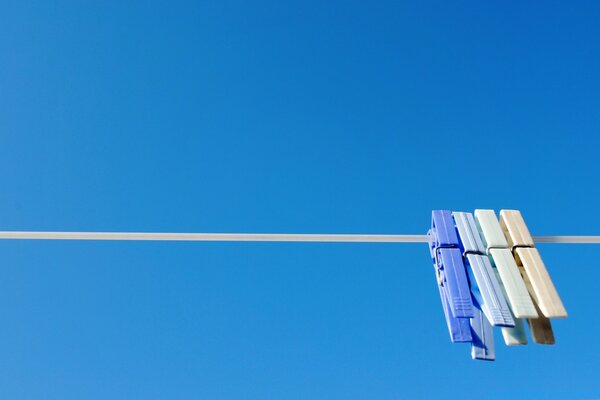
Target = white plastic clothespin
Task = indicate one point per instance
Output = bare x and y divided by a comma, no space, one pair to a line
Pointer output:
505,267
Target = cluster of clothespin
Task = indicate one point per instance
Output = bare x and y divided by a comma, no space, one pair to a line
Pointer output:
490,274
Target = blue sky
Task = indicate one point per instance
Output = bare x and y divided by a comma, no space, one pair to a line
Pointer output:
292,117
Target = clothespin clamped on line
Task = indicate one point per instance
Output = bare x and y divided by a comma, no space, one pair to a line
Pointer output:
528,257
480,272
491,308
535,275
508,285
451,277
510,278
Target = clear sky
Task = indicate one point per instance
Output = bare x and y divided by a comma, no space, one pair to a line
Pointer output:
292,117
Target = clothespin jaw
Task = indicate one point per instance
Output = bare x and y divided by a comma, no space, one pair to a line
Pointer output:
482,345
484,284
451,277
541,330
516,335
504,264
528,258
541,327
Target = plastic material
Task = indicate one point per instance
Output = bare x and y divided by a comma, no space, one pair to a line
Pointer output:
517,293
504,263
526,256
484,284
516,335
540,328
451,276
514,228
470,241
458,328
482,346
489,294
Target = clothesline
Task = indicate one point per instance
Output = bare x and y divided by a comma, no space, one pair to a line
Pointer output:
256,237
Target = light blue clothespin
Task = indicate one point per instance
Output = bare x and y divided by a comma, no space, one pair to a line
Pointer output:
490,305
484,284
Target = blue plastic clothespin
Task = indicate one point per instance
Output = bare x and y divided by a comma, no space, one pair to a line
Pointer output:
451,276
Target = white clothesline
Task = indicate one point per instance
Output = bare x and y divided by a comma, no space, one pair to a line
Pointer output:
256,237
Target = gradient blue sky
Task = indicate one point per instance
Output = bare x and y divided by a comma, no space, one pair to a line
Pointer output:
298,117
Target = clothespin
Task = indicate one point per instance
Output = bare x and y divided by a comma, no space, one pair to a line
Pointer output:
527,256
451,277
508,274
488,292
488,299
